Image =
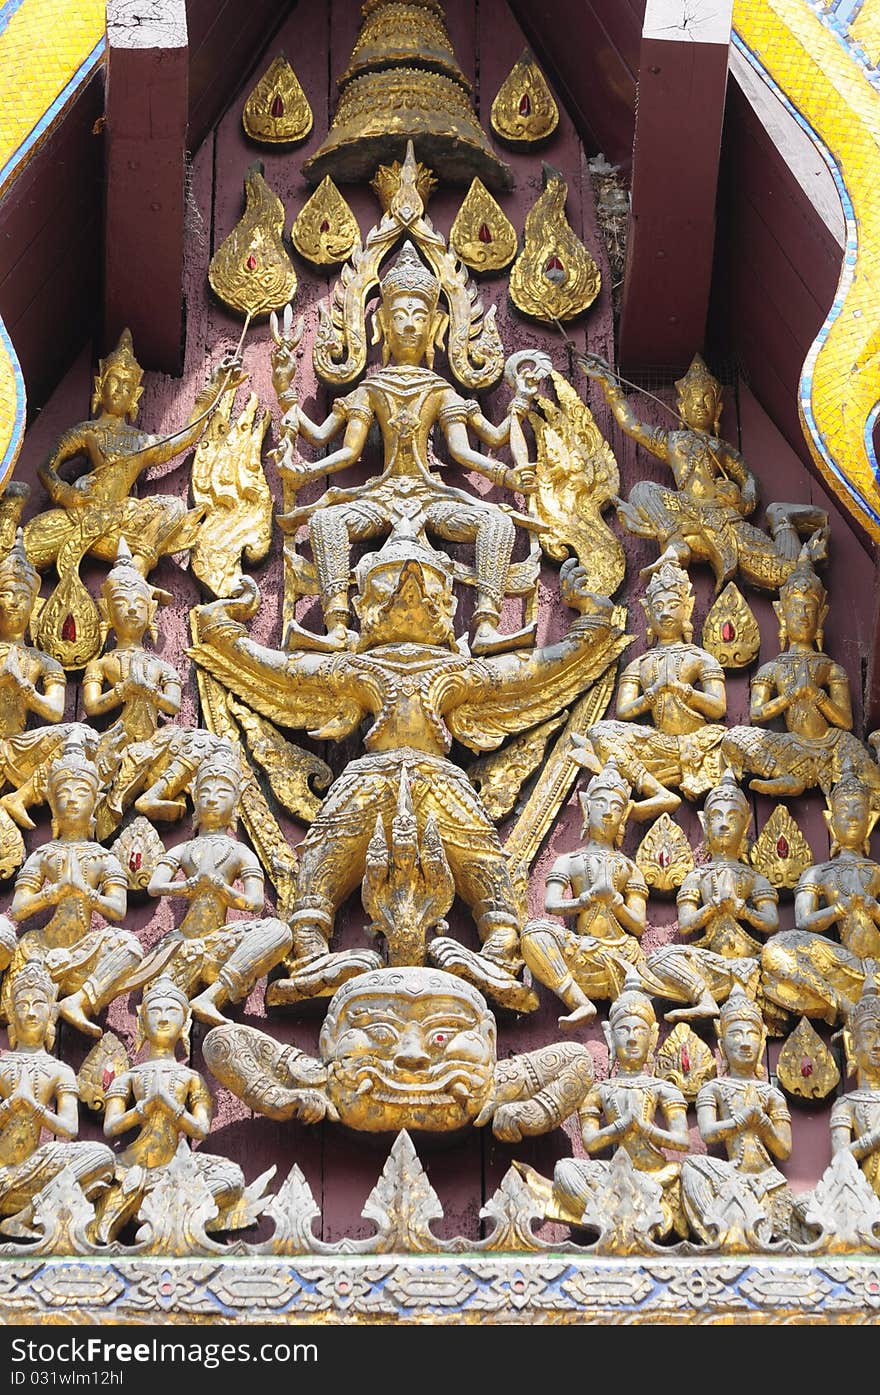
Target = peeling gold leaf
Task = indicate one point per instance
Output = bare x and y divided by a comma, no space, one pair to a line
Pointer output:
806,1068
277,112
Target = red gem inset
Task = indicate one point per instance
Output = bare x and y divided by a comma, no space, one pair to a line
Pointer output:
806,1067
134,861
68,629
728,631
554,269
525,105
107,1078
663,858
685,1061
782,847
277,107
485,233
251,262
325,226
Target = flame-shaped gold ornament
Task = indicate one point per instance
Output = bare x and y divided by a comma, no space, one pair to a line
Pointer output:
524,111
250,271
685,1060
325,230
482,236
554,277
806,1068
781,852
277,112
664,855
730,630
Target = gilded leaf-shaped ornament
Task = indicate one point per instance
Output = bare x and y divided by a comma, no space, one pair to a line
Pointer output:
277,111
524,111
554,277
482,234
781,852
806,1067
325,231
250,271
664,855
730,630
685,1060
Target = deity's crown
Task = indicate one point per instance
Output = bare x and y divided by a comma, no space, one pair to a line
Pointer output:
633,1001
803,577
413,982
850,781
16,567
739,1007
667,576
403,546
609,779
223,761
410,276
165,987
75,760
34,976
867,1009
125,573
727,788
122,359
698,380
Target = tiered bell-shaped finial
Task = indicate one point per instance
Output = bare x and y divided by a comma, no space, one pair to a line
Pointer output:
403,82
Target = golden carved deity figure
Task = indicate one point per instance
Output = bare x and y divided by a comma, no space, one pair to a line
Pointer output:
38,1092
725,902
77,879
165,1101
855,1117
705,518
135,751
408,1048
682,688
621,1113
226,958
811,693
95,511
749,1118
804,970
407,400
421,690
606,892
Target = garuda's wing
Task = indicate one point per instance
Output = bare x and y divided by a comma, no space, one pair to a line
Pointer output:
521,691
301,691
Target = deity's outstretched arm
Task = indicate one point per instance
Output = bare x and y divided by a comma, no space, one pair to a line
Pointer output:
653,438
463,454
349,453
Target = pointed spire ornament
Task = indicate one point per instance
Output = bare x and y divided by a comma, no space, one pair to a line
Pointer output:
277,112
730,630
781,852
524,111
806,1068
250,271
554,277
482,236
325,231
403,82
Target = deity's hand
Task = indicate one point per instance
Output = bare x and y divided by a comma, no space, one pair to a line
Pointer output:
226,375
575,593
522,479
298,473
595,367
728,492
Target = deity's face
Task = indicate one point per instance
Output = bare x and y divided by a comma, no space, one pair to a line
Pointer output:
16,604
605,810
866,1049
163,1019
632,1038
72,799
725,822
129,609
699,409
667,613
215,798
31,1017
743,1042
408,324
409,1060
801,613
118,390
850,817
407,603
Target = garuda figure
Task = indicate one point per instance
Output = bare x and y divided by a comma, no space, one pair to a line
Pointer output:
408,1048
705,518
407,400
410,675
